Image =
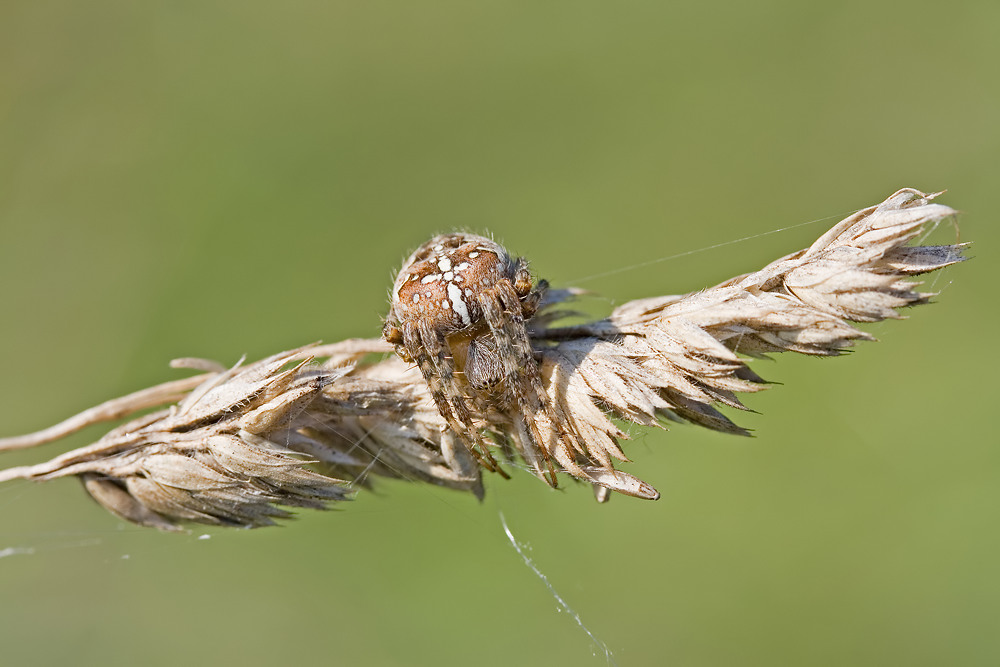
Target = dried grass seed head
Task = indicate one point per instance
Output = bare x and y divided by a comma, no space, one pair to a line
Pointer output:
494,375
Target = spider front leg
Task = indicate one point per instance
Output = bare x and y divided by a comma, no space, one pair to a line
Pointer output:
501,308
429,351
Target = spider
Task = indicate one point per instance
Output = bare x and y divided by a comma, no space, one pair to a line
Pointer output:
459,306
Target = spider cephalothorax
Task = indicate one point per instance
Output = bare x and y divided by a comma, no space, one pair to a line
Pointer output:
459,306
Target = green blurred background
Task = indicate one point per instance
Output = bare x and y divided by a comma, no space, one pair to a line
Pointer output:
213,179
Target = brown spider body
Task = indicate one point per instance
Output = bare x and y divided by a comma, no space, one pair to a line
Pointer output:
459,305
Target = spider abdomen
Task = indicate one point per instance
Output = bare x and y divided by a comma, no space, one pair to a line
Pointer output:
441,280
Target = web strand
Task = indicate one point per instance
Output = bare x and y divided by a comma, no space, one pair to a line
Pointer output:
558,598
686,253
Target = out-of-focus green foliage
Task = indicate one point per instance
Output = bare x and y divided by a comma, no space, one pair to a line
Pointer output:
213,179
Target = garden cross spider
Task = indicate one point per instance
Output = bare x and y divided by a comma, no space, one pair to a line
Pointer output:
459,306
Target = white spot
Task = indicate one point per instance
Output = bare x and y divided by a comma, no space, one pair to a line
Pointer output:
473,255
444,264
431,279
416,297
438,247
455,294
449,275
445,303
462,267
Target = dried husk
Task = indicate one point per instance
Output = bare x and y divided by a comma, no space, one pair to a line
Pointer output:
307,427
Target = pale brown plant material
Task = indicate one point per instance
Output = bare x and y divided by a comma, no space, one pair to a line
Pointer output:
305,427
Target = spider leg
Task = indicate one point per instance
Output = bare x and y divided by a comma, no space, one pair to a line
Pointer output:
431,354
502,310
563,451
